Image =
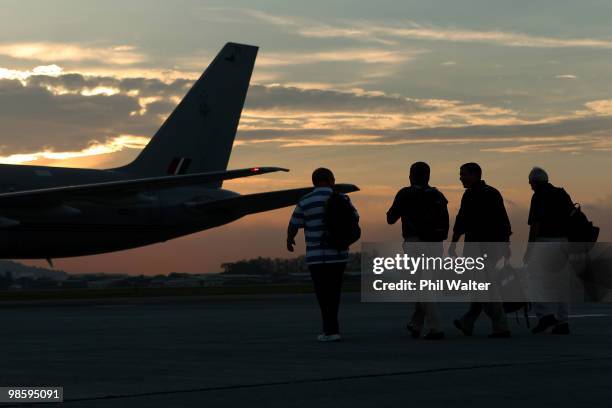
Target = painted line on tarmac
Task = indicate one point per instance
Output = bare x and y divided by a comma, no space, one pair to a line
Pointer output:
323,380
579,316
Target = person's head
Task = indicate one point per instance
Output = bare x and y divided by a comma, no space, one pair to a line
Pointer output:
537,177
419,174
323,177
470,174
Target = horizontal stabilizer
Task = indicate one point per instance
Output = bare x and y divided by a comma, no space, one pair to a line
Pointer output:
260,202
42,197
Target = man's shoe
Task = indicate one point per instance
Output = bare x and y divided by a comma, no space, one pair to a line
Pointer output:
328,337
500,335
458,324
434,336
561,328
545,323
414,332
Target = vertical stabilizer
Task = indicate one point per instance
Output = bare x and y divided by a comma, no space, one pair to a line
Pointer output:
199,134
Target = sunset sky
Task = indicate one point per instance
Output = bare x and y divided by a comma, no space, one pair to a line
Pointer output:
365,88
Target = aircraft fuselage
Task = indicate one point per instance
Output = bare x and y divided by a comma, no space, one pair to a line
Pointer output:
98,225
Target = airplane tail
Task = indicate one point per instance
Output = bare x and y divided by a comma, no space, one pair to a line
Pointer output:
198,136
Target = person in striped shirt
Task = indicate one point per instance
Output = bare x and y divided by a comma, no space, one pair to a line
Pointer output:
326,265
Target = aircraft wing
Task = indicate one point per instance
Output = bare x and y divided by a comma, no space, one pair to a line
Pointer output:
259,202
65,193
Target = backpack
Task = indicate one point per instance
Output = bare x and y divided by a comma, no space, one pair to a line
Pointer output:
341,223
579,228
435,216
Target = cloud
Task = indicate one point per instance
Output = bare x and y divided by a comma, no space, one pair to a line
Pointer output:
552,145
69,115
33,117
601,107
76,83
529,144
295,99
366,56
306,27
112,145
566,76
50,114
502,38
47,70
388,33
439,122
72,52
279,108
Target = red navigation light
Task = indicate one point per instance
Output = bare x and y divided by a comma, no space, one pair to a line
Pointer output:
255,170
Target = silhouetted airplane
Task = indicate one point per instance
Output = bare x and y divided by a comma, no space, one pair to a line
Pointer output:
173,188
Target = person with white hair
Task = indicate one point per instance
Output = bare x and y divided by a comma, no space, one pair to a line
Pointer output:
546,256
538,175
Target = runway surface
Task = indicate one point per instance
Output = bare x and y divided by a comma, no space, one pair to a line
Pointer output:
261,351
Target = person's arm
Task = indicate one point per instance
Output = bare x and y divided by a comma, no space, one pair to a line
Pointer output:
457,233
296,222
458,228
452,248
446,220
506,227
394,212
534,229
292,231
533,220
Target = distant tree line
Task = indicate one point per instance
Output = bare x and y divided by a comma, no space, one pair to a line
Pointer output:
7,281
279,266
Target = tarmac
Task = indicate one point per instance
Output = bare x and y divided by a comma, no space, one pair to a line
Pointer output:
237,351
